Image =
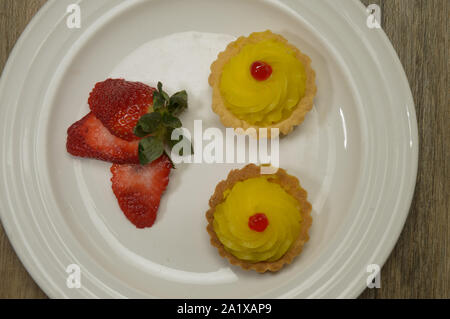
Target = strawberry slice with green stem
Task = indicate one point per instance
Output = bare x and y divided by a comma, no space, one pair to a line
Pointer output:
119,104
138,188
121,130
156,128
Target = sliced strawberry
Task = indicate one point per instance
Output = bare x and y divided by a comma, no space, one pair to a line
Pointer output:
119,104
138,189
89,138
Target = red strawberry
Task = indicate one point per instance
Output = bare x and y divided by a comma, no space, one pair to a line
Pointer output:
89,138
139,188
119,104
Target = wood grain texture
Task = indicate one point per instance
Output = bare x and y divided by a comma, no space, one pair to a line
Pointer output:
15,282
419,264
418,267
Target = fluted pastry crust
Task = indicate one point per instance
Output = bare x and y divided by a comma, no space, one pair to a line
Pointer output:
228,119
292,186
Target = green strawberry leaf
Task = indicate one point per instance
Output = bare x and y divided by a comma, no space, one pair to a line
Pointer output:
160,124
172,142
178,102
150,148
148,124
171,121
158,101
163,94
139,132
169,141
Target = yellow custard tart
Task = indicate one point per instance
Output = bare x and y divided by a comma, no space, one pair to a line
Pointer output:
258,221
262,81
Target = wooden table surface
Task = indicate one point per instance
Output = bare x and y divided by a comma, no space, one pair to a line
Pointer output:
419,264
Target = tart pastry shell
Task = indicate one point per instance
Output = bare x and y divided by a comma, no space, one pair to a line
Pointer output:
299,112
292,186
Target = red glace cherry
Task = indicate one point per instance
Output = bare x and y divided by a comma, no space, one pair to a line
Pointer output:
258,222
260,71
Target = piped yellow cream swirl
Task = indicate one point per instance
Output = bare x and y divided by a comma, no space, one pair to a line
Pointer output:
244,199
263,102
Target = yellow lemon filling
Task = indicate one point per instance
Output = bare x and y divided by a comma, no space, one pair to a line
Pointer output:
269,101
243,200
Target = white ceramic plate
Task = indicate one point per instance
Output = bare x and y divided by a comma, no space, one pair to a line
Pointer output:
356,152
